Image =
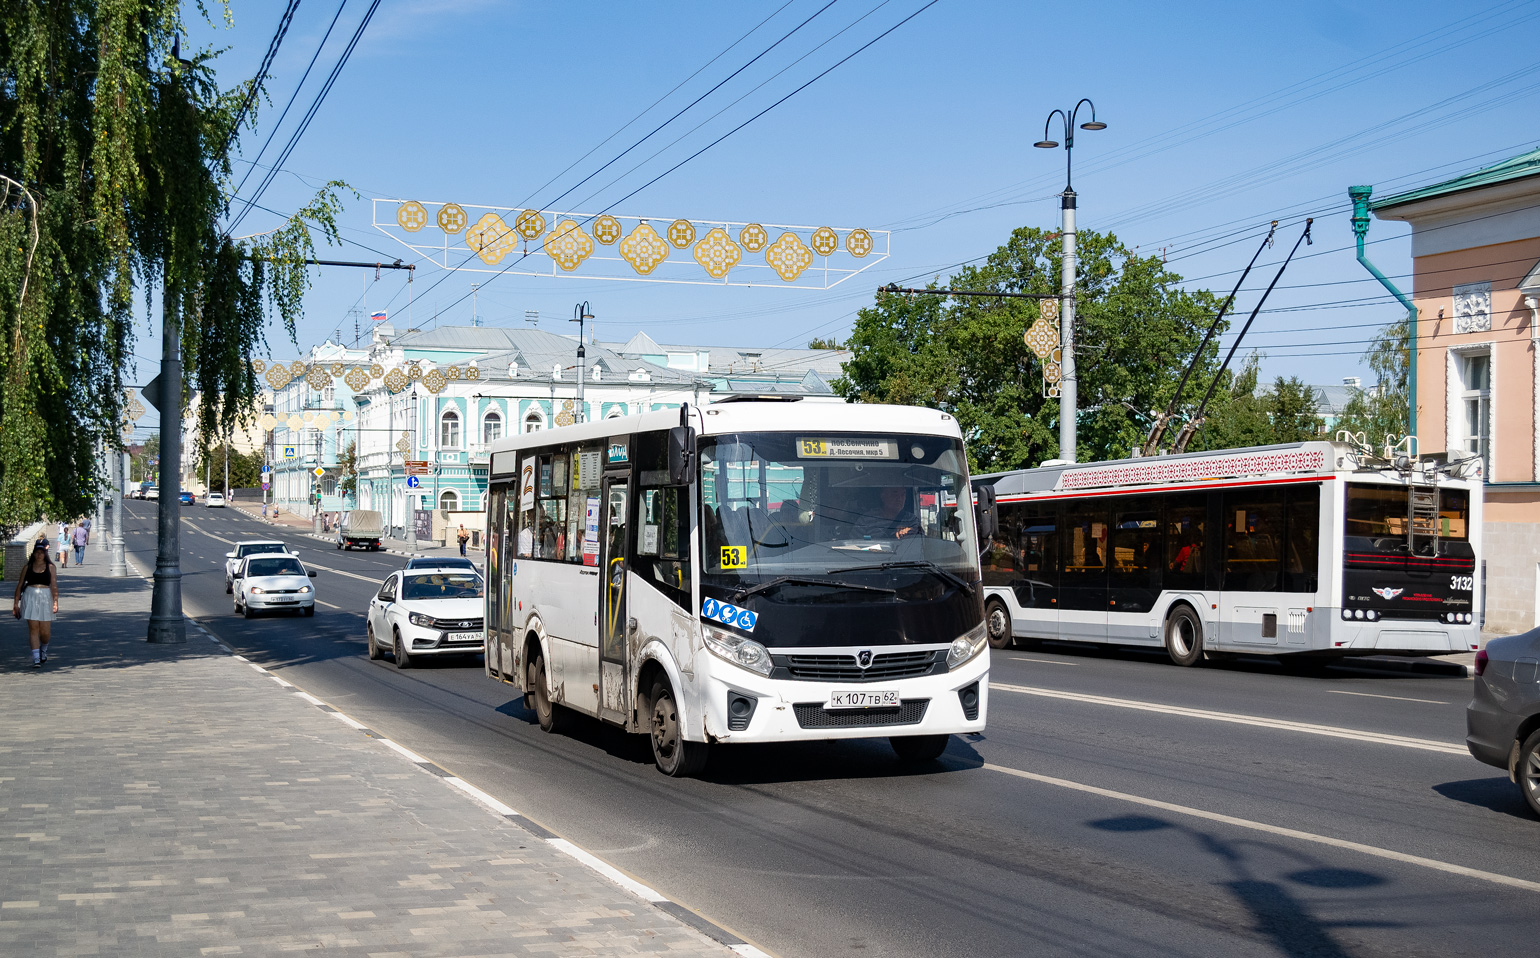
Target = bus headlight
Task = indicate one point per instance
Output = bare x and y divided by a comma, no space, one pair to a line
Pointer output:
965,647
738,649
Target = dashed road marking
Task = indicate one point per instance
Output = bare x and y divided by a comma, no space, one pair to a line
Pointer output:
1236,718
1294,833
1397,698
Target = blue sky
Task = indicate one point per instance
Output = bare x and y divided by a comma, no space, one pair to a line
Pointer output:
1220,118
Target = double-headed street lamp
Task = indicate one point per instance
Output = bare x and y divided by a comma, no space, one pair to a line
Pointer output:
580,314
1067,381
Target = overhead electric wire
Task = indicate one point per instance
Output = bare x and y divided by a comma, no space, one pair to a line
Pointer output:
284,20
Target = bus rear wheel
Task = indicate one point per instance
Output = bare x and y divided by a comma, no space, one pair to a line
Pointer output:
914,749
998,618
674,756
1184,637
547,713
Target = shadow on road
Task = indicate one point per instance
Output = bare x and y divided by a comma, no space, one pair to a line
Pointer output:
1495,794
1356,667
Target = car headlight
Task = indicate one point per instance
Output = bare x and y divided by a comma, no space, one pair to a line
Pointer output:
303,589
965,647
739,650
256,590
426,621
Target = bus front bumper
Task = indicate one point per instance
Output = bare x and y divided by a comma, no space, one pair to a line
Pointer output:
743,706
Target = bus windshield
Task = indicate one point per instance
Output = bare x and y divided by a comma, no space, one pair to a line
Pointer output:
778,504
1380,511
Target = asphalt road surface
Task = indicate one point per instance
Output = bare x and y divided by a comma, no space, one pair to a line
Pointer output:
1117,805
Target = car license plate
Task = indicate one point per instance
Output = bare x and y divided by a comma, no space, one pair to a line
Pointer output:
466,636
863,699
282,598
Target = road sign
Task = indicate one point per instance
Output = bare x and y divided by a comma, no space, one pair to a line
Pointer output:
412,482
291,452
418,467
267,485
266,469
318,472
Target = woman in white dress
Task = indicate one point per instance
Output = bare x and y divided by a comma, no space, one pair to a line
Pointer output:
37,600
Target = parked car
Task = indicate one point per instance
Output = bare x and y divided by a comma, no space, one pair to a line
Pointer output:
265,582
186,498
1503,720
152,493
427,612
248,547
441,562
215,500
361,527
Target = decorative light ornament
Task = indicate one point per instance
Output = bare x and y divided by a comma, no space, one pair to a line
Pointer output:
753,237
412,216
491,239
681,233
472,371
296,369
568,245
825,241
376,371
278,376
788,256
451,218
858,243
644,249
294,423
434,381
396,380
357,379
318,378
307,416
337,369
717,253
566,417
607,230
530,224
453,372
348,415
267,422
258,366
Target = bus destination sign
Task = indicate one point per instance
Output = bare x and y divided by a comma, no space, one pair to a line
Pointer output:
846,448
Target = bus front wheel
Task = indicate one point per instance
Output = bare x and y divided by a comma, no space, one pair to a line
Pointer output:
914,749
998,618
674,756
1184,636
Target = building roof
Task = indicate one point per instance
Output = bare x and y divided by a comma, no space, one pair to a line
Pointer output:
1513,168
746,360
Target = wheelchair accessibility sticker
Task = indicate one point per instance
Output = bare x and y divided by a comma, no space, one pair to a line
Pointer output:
729,615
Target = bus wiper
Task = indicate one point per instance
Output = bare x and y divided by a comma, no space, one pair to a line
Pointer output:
747,591
925,564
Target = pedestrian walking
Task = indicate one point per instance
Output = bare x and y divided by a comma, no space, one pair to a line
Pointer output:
37,600
464,537
86,522
81,537
64,544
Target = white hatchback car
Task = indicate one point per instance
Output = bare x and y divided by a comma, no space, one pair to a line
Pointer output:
265,582
248,547
427,612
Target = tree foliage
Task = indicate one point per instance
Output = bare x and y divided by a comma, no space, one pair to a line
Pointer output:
1239,415
115,163
1382,412
245,468
1136,330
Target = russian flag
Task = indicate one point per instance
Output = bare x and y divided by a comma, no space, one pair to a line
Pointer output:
378,316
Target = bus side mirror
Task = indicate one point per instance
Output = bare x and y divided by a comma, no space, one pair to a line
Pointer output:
681,455
984,510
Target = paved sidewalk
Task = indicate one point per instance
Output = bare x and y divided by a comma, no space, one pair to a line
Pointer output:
174,800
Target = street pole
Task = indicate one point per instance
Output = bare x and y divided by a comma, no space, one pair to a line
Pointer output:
411,510
119,566
166,623
580,313
1068,379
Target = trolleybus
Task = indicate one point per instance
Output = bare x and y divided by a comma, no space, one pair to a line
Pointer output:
1312,550
748,571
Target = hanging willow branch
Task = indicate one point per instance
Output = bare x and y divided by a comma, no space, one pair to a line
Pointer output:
125,149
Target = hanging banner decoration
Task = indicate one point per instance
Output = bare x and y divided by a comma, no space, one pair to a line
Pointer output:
627,248
1042,337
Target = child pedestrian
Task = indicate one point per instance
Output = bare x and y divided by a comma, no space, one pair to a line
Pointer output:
37,600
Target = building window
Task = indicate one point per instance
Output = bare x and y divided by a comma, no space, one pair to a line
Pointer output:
491,427
1476,407
449,430
448,501
534,421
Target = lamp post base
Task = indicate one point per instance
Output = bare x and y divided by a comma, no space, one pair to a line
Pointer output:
167,626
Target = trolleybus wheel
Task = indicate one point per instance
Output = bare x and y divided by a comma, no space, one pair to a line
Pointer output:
1184,636
547,713
998,619
402,656
375,652
913,749
674,756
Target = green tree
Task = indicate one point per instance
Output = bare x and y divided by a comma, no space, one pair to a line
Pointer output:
114,173
1135,327
1382,411
347,481
245,468
1237,415
1291,411
139,468
819,342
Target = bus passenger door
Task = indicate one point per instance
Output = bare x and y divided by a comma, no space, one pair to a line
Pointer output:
1083,596
614,623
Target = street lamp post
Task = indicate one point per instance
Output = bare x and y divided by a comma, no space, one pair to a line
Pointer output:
411,510
1068,399
580,314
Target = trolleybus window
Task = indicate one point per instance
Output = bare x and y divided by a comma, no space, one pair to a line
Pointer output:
1253,539
1380,511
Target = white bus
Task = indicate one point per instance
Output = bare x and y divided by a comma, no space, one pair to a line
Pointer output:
749,571
1312,550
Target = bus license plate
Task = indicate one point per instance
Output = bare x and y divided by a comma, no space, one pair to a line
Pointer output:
466,636
863,699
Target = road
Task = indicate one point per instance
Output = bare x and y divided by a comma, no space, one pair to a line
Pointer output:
1116,806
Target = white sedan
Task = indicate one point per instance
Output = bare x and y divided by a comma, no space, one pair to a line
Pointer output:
266,582
427,612
249,547
214,501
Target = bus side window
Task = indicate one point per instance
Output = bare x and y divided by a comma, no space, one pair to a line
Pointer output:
999,561
1186,521
1302,553
1253,540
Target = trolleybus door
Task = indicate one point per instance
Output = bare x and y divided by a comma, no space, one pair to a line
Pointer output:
614,624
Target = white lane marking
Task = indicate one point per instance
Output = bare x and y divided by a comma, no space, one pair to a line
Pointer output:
480,796
307,697
1378,738
607,870
410,755
345,720
241,658
1294,833
1397,698
350,575
329,605
257,667
1023,658
748,951
287,685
